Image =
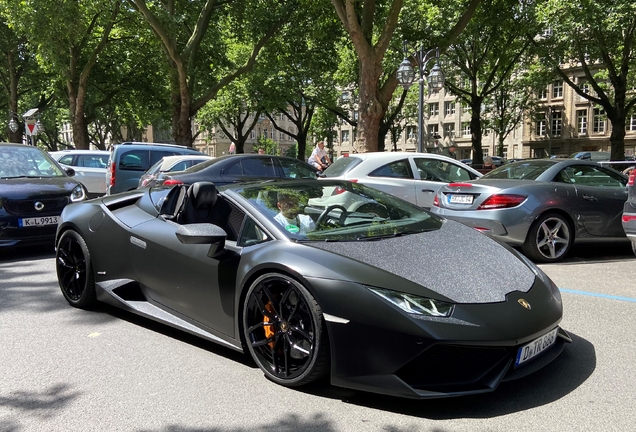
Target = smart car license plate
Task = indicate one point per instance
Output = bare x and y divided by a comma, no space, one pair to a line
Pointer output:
461,199
536,347
37,221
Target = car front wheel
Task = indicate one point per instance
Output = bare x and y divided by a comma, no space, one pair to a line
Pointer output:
285,331
549,238
75,270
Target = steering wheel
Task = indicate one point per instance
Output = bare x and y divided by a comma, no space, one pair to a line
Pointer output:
325,214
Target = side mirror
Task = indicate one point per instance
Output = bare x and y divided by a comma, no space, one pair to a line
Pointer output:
203,233
70,171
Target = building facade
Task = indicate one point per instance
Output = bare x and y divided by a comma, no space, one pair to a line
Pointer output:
568,122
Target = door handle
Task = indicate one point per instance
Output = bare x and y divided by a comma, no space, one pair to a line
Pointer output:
428,190
589,197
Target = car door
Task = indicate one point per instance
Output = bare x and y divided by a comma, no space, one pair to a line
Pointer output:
182,277
600,197
432,174
395,178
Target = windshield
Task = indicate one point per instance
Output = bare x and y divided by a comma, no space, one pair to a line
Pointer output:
27,161
337,211
524,170
341,166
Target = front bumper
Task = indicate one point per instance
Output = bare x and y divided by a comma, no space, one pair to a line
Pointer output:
380,349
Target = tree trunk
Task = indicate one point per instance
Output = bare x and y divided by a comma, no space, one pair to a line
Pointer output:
475,131
370,108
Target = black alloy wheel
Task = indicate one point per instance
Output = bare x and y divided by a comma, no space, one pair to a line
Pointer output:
285,331
549,238
75,271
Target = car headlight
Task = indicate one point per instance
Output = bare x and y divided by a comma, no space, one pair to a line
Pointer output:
78,194
413,304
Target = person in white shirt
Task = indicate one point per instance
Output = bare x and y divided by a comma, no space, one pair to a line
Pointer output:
289,215
319,158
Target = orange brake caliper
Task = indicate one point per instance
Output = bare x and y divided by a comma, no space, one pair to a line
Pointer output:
269,330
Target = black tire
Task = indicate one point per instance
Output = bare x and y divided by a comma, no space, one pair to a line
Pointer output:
549,238
634,247
284,330
75,270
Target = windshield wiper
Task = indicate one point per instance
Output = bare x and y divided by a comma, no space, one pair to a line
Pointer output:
392,235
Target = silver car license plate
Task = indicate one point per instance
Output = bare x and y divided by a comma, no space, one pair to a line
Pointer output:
461,199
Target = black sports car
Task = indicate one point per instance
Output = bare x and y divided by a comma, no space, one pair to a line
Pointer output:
318,277
33,191
240,168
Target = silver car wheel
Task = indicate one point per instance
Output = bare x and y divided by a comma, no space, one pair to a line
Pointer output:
549,239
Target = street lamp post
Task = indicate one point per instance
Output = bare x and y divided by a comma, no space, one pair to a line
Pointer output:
435,78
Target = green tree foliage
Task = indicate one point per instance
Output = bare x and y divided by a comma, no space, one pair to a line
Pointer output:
484,57
234,110
203,58
598,39
370,26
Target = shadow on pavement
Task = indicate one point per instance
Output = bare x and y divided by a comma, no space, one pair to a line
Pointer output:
566,373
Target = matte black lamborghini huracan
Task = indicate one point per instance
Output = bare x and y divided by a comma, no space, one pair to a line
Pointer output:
318,277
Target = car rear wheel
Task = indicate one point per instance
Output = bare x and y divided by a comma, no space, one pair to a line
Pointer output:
549,238
284,330
75,271
634,247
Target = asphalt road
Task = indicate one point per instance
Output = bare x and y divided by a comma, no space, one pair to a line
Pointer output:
63,369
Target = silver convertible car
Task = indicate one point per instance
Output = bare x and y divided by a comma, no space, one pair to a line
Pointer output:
543,205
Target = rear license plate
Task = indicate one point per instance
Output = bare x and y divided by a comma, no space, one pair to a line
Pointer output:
37,221
536,347
461,199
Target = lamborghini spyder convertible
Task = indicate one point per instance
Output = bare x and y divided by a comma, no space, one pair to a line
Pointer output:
318,278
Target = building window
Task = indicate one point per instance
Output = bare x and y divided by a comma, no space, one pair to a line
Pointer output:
449,108
557,89
581,122
433,109
557,123
540,127
485,151
253,134
411,132
449,130
630,123
466,129
543,93
599,120
433,131
344,136
355,115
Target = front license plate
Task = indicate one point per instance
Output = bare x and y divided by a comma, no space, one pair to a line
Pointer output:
461,199
536,347
37,221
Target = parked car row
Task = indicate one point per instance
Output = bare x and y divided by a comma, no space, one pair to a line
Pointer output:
543,206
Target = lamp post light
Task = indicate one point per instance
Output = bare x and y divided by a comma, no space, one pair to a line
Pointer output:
435,79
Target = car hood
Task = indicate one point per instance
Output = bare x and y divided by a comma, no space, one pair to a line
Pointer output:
32,188
455,261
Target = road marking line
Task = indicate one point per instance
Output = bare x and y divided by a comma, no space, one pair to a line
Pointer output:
591,294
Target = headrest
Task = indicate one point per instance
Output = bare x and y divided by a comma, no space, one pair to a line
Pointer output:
203,195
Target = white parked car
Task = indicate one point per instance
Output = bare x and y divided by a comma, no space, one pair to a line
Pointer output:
89,165
414,177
